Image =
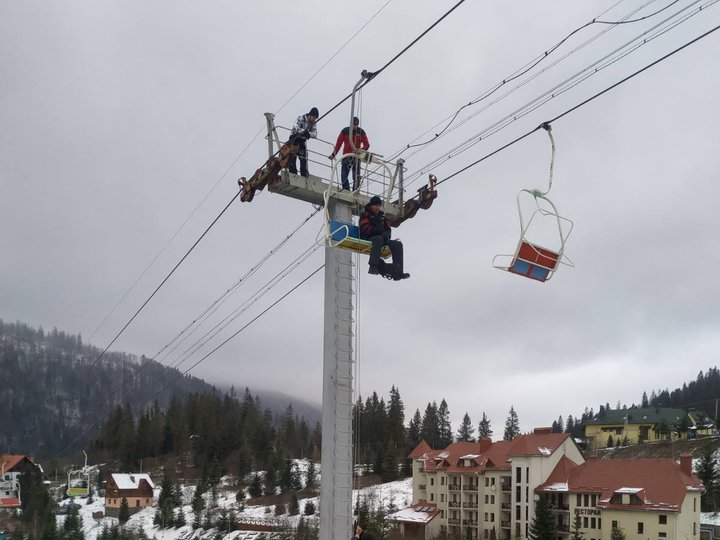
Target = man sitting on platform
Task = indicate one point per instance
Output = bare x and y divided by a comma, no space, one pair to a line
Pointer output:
375,228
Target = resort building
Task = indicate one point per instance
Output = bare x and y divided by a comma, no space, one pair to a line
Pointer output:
136,488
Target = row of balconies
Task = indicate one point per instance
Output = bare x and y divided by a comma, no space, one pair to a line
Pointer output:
470,504
470,522
560,508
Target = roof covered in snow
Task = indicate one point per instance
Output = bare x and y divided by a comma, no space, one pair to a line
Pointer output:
131,480
421,512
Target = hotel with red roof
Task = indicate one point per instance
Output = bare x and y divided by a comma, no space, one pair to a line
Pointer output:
487,491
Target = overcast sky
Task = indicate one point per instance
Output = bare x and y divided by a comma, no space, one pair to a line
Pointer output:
118,119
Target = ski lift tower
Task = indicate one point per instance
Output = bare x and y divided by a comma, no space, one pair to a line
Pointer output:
337,400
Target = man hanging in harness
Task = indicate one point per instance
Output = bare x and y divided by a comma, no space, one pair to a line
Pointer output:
360,142
375,228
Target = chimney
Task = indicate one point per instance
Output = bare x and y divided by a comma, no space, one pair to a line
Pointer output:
686,463
542,430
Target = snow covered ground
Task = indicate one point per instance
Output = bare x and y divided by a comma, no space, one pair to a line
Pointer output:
392,494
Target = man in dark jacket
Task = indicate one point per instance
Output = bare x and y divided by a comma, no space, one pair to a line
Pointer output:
360,142
375,228
303,130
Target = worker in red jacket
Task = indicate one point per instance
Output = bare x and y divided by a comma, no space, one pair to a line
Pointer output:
361,143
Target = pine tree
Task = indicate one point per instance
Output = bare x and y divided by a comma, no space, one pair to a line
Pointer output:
309,508
180,520
279,509
570,424
577,533
429,428
390,464
466,430
396,418
124,514
484,429
255,489
413,431
645,403
617,534
542,526
707,471
293,506
512,425
311,476
444,425
610,441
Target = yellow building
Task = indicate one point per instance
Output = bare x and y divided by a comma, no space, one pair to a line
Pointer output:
488,491
655,499
484,490
642,425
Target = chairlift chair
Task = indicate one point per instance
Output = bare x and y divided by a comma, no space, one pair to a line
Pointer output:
531,259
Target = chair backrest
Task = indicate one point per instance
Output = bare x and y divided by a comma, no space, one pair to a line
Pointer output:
534,262
339,230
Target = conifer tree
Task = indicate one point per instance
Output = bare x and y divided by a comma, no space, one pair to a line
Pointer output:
617,534
707,471
413,431
429,428
311,476
542,526
484,429
309,508
512,425
446,437
255,489
396,418
179,518
466,430
577,533
124,514
390,463
293,506
279,509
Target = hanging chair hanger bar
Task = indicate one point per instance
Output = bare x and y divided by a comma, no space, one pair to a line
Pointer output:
364,76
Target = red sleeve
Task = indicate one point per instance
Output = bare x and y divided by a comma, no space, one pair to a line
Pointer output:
364,225
338,144
364,142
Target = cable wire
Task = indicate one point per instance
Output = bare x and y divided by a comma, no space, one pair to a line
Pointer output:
581,104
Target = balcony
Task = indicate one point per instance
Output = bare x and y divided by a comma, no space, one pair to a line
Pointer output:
471,487
562,527
504,524
454,487
505,486
454,504
453,521
506,506
470,504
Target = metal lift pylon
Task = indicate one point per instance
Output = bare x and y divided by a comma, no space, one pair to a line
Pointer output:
336,482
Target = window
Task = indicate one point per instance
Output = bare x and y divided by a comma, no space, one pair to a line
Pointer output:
517,512
492,481
593,500
662,535
442,480
527,474
492,499
137,503
527,494
592,523
432,496
487,482
442,497
486,533
526,513
518,493
432,481
662,519
614,524
442,514
578,501
486,499
586,500
518,474
585,522
599,523
694,528
694,504
640,527
492,516
486,516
